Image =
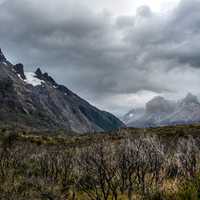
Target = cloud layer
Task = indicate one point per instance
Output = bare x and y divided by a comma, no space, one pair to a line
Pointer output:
115,62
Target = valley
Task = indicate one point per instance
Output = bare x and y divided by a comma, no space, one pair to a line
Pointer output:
124,164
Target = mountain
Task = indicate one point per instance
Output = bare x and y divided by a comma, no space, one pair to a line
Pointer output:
187,111
35,99
133,115
160,112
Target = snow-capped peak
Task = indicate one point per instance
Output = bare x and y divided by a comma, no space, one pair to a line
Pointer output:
32,79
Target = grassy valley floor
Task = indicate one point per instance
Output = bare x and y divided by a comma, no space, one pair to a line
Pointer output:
154,163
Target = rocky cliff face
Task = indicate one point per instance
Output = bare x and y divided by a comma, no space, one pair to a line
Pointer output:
2,57
160,112
36,100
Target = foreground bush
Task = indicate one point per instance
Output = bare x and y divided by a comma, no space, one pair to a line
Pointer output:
128,168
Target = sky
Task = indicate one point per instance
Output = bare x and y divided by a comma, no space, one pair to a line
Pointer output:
117,54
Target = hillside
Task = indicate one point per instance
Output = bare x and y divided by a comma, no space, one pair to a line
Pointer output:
35,100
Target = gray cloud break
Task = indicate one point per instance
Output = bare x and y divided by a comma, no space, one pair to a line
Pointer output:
111,61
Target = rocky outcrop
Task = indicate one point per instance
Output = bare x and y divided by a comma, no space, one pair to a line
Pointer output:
2,57
45,77
19,68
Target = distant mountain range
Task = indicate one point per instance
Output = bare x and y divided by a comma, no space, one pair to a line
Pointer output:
35,99
160,112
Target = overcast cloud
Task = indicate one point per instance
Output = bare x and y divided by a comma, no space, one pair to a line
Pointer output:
114,59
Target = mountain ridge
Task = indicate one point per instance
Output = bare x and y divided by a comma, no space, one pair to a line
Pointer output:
36,99
162,112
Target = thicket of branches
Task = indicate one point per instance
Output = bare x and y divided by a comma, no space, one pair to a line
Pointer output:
133,168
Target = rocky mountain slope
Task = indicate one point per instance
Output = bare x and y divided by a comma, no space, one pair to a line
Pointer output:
160,112
36,100
133,115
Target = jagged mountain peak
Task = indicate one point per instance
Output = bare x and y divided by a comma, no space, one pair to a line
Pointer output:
45,77
19,69
189,99
38,72
159,105
2,57
160,111
34,99
33,78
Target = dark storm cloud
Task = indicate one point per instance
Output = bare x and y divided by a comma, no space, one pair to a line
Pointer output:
97,54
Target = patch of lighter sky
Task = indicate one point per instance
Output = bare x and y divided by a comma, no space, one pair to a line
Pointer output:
129,7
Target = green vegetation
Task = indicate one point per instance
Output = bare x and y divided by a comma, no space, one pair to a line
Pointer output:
127,164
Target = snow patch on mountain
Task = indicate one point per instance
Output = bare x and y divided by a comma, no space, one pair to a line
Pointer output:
20,77
32,79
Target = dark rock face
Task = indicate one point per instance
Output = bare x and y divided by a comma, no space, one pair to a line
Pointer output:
36,100
45,77
2,57
19,68
38,73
